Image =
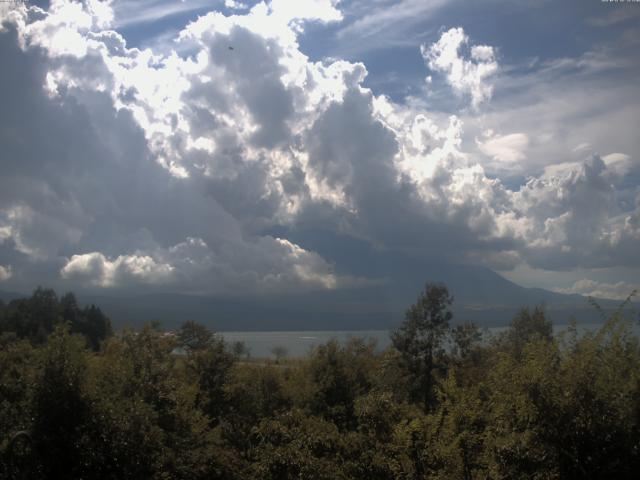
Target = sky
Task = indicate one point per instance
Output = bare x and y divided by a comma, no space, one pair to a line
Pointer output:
285,147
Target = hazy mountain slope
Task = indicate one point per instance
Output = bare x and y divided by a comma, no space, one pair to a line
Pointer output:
479,294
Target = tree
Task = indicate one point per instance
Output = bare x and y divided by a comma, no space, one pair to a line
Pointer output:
96,326
527,327
334,377
211,368
420,339
90,321
146,422
296,445
279,352
19,374
240,349
61,407
36,317
33,318
253,393
465,337
194,336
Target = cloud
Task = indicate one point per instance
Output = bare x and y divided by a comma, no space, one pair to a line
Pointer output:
591,288
573,217
129,13
235,5
585,102
614,17
125,184
5,272
619,164
316,10
268,265
126,168
98,270
386,15
506,151
467,74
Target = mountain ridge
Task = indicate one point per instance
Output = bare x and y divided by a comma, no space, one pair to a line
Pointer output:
480,295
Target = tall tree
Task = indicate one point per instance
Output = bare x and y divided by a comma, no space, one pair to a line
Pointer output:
527,327
194,336
61,407
420,340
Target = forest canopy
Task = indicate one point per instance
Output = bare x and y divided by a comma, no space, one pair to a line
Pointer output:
78,400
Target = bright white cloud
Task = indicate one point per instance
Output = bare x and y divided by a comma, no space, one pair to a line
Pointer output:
572,216
619,164
467,74
233,4
268,265
98,270
505,151
321,10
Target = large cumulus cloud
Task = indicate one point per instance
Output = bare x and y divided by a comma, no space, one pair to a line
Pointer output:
100,187
127,168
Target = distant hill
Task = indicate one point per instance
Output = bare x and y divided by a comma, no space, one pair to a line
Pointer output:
494,304
480,295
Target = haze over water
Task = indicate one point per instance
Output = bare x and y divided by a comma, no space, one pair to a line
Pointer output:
299,344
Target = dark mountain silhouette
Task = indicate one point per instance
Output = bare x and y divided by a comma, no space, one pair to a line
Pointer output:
480,295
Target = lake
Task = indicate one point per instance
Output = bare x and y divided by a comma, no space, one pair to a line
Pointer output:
299,344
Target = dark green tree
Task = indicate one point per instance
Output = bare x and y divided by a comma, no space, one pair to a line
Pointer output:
211,367
193,336
465,338
420,340
338,375
297,446
61,408
253,393
19,372
526,327
89,321
33,318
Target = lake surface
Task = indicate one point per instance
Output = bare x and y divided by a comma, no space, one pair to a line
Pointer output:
299,344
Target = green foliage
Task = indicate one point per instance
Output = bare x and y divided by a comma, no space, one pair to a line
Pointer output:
526,327
336,375
146,422
440,403
252,393
211,369
465,338
193,337
90,322
32,318
420,340
61,407
297,446
36,317
19,371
